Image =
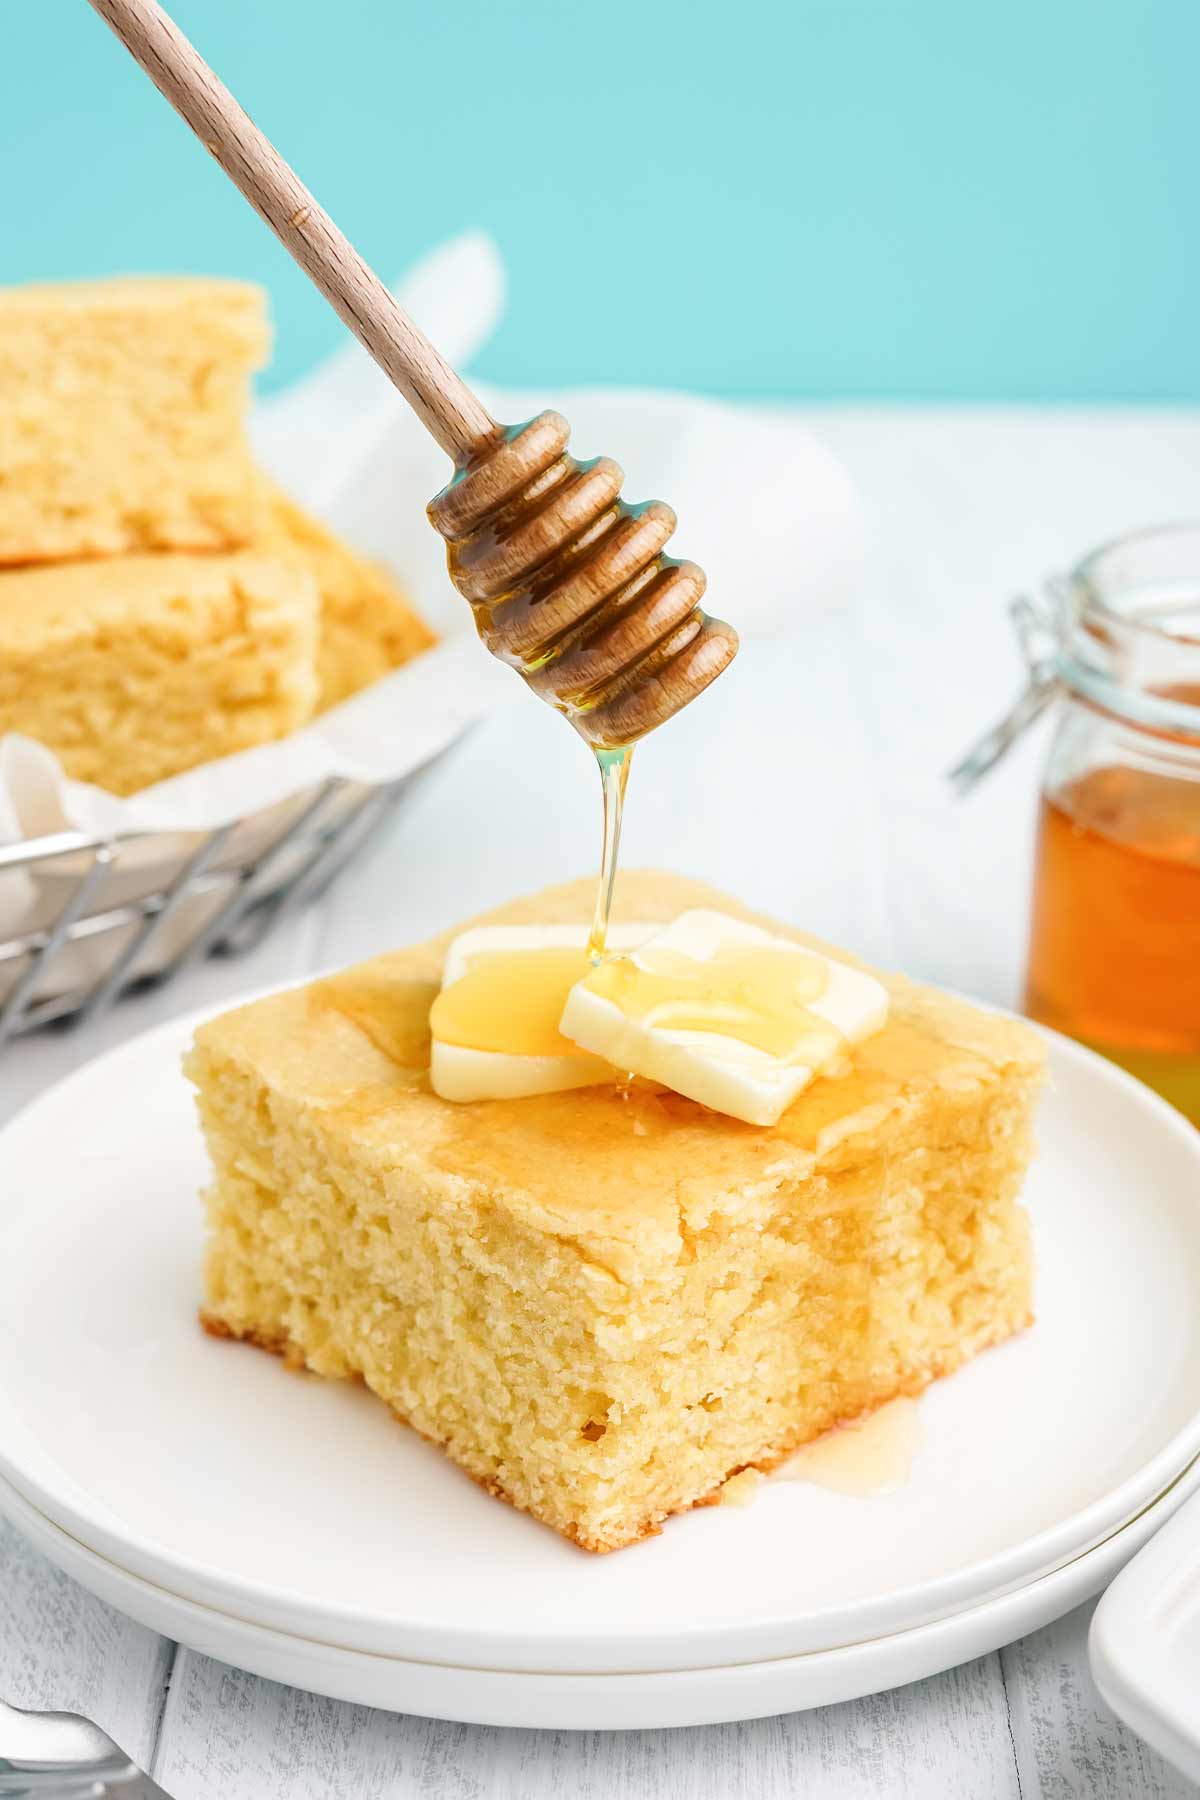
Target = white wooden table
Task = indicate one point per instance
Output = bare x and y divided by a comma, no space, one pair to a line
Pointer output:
823,800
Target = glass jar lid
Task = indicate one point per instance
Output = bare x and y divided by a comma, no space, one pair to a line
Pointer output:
1121,633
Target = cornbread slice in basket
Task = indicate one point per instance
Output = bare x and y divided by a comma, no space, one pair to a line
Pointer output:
135,668
369,626
122,427
603,1304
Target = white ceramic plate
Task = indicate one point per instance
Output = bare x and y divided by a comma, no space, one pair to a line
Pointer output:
301,1506
549,1701
1144,1643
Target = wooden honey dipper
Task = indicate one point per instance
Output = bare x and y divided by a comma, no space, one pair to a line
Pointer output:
568,582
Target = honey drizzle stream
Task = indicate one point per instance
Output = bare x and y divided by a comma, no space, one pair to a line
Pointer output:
614,776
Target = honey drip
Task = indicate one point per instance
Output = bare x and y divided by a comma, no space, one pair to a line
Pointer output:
869,1457
614,778
1115,946
512,1000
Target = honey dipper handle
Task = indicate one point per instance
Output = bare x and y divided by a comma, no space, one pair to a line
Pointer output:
440,398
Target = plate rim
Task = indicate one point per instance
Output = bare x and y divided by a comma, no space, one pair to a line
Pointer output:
535,1698
1138,1646
285,1610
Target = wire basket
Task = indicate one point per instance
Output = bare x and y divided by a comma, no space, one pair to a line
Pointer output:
85,919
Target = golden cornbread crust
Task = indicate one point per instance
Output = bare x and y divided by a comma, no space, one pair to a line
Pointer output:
122,423
602,1307
136,668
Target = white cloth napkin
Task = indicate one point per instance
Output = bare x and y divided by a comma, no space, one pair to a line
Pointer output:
762,506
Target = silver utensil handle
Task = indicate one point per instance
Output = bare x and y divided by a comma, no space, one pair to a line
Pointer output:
59,1755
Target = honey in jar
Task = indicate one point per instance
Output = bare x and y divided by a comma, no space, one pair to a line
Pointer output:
1114,952
1114,949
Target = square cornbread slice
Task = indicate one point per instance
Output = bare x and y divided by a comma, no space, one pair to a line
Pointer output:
604,1304
369,626
122,416
138,667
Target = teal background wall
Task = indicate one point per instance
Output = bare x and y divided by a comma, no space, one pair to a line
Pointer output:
927,199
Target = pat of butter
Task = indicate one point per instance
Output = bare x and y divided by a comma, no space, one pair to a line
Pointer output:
494,1025
725,1013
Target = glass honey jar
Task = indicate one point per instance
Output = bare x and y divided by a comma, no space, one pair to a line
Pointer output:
1114,943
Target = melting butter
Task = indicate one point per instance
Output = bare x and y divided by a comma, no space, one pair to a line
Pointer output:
726,1013
754,993
496,1025
511,1001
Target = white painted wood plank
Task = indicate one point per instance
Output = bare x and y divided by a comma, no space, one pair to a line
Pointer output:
1067,1742
226,1733
63,1650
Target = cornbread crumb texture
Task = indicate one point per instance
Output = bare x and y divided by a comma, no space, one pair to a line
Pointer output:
604,1306
135,668
368,624
122,409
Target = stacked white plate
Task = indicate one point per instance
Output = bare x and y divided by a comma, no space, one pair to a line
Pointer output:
290,1526
1144,1644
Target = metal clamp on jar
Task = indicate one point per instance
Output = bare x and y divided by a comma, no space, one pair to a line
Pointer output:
1114,951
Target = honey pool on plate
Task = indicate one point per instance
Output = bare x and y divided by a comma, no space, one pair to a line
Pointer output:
865,1458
